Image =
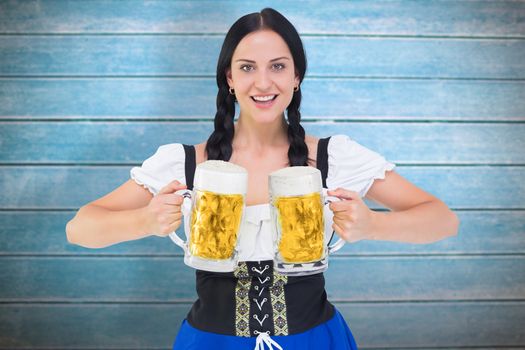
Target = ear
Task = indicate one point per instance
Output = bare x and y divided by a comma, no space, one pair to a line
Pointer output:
296,79
229,76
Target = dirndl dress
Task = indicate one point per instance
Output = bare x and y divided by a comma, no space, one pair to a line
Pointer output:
256,308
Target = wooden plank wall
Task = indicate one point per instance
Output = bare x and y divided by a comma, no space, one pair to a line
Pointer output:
89,89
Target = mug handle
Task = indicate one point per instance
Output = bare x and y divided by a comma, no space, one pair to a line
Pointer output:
340,242
186,194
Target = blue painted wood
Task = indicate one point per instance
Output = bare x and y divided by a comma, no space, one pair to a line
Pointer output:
196,55
390,61
374,325
481,232
81,326
149,279
133,142
195,97
67,187
414,325
469,18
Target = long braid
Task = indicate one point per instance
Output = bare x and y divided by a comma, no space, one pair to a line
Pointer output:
298,151
219,145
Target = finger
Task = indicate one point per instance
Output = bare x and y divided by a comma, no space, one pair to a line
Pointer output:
337,229
338,221
173,209
176,216
175,224
342,206
338,207
344,193
172,199
172,187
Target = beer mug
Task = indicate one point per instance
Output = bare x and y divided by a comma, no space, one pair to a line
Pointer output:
213,212
298,205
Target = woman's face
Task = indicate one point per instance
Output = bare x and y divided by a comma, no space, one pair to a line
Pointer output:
262,66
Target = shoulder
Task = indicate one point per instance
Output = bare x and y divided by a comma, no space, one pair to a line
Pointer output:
343,149
165,165
311,143
311,140
167,153
200,152
343,146
354,166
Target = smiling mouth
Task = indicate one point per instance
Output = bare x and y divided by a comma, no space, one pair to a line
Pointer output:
265,101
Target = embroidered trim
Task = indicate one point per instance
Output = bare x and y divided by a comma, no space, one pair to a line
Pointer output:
278,302
260,294
242,301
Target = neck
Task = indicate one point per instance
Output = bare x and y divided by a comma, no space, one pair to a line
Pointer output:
259,137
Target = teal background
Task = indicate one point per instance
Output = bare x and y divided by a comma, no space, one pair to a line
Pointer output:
89,89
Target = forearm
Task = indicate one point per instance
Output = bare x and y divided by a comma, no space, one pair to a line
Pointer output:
425,223
96,227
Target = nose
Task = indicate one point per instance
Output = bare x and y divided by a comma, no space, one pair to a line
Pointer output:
263,80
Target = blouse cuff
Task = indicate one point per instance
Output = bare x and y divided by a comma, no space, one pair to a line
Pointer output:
381,173
353,166
166,165
135,177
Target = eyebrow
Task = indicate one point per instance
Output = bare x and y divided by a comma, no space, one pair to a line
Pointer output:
275,59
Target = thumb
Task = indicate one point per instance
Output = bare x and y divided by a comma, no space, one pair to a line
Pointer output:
172,187
344,193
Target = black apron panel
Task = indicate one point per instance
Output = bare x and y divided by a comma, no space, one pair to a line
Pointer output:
189,165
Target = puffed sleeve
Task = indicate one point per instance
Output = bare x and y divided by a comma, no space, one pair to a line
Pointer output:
164,166
353,166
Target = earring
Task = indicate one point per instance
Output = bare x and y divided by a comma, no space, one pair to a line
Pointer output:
232,91
295,89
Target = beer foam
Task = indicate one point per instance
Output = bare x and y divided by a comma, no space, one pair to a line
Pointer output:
221,177
295,181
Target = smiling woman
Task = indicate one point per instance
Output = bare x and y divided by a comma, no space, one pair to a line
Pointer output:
263,63
261,66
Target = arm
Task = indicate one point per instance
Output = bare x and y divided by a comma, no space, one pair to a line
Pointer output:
114,218
416,216
129,212
98,227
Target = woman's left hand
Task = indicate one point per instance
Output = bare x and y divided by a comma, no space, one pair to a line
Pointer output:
353,220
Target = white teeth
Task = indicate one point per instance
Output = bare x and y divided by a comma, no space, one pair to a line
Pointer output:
263,98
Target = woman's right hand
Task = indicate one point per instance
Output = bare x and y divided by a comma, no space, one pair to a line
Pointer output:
163,213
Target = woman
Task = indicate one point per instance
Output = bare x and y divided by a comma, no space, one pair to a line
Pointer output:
261,67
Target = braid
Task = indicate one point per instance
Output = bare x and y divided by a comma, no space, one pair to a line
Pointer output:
298,151
219,144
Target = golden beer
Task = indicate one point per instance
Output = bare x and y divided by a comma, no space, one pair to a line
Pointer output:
302,228
215,222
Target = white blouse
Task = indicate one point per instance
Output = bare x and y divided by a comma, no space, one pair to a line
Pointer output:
350,166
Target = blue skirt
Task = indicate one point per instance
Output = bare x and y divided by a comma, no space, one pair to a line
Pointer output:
334,334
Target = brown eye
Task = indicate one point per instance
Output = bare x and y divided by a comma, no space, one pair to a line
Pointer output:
279,66
246,66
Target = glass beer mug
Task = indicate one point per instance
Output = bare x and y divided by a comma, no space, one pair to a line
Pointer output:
298,204
213,212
